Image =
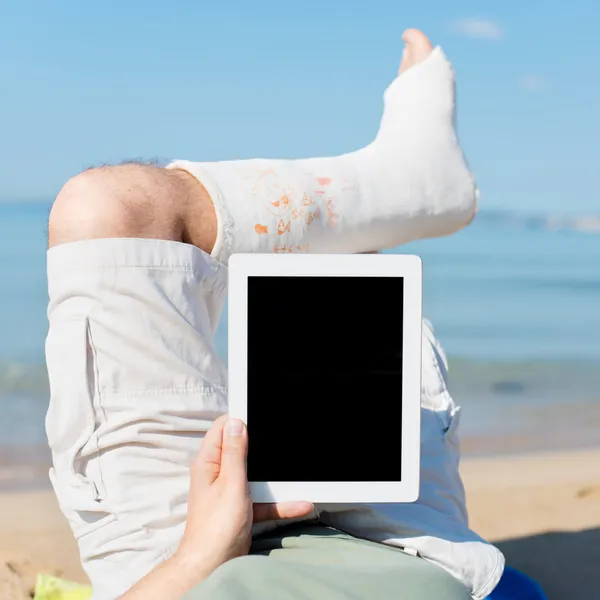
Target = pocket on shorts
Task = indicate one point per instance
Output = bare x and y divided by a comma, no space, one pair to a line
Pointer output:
71,426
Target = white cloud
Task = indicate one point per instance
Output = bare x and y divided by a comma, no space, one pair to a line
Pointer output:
483,29
533,83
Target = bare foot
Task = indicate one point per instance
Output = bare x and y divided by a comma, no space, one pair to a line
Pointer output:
417,49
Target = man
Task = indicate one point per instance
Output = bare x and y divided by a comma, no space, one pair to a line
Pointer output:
137,277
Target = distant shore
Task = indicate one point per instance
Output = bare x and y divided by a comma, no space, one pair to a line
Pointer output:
514,427
583,222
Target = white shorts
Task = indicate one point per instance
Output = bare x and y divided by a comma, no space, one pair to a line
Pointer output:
135,383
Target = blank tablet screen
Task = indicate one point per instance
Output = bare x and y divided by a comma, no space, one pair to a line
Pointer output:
324,378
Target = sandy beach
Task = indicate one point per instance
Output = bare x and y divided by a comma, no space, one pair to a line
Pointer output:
542,510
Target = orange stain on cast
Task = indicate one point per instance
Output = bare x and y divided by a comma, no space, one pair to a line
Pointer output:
283,227
331,214
288,249
311,216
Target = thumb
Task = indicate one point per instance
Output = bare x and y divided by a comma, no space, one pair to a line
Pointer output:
207,465
234,452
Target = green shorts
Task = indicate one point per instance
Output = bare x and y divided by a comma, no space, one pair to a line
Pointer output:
319,563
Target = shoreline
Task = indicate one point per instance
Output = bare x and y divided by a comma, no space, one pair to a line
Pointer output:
541,509
24,467
490,427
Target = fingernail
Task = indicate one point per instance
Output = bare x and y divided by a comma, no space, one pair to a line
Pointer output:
234,427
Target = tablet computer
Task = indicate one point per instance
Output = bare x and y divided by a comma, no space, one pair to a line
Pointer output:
325,370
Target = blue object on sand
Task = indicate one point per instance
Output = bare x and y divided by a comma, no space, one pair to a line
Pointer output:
515,585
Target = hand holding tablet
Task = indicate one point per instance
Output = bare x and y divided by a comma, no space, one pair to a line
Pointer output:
325,369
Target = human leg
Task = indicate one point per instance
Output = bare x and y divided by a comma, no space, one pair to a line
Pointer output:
411,182
134,376
311,562
133,201
436,526
131,359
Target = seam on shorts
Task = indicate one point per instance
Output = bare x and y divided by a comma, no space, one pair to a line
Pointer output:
97,391
140,266
498,565
179,390
152,266
210,279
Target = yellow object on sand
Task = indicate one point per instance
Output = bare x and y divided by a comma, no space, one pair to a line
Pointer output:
48,587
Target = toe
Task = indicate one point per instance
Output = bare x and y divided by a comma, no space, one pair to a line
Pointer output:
417,49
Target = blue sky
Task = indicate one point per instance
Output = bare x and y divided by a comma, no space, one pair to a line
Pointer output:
83,83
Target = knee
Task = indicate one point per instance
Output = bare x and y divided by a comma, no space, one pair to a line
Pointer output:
111,202
86,207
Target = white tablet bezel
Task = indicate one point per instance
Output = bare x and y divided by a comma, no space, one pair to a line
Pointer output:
242,266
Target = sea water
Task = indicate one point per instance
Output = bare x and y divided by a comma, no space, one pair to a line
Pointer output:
517,308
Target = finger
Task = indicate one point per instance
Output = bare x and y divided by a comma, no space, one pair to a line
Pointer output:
233,453
207,465
281,510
